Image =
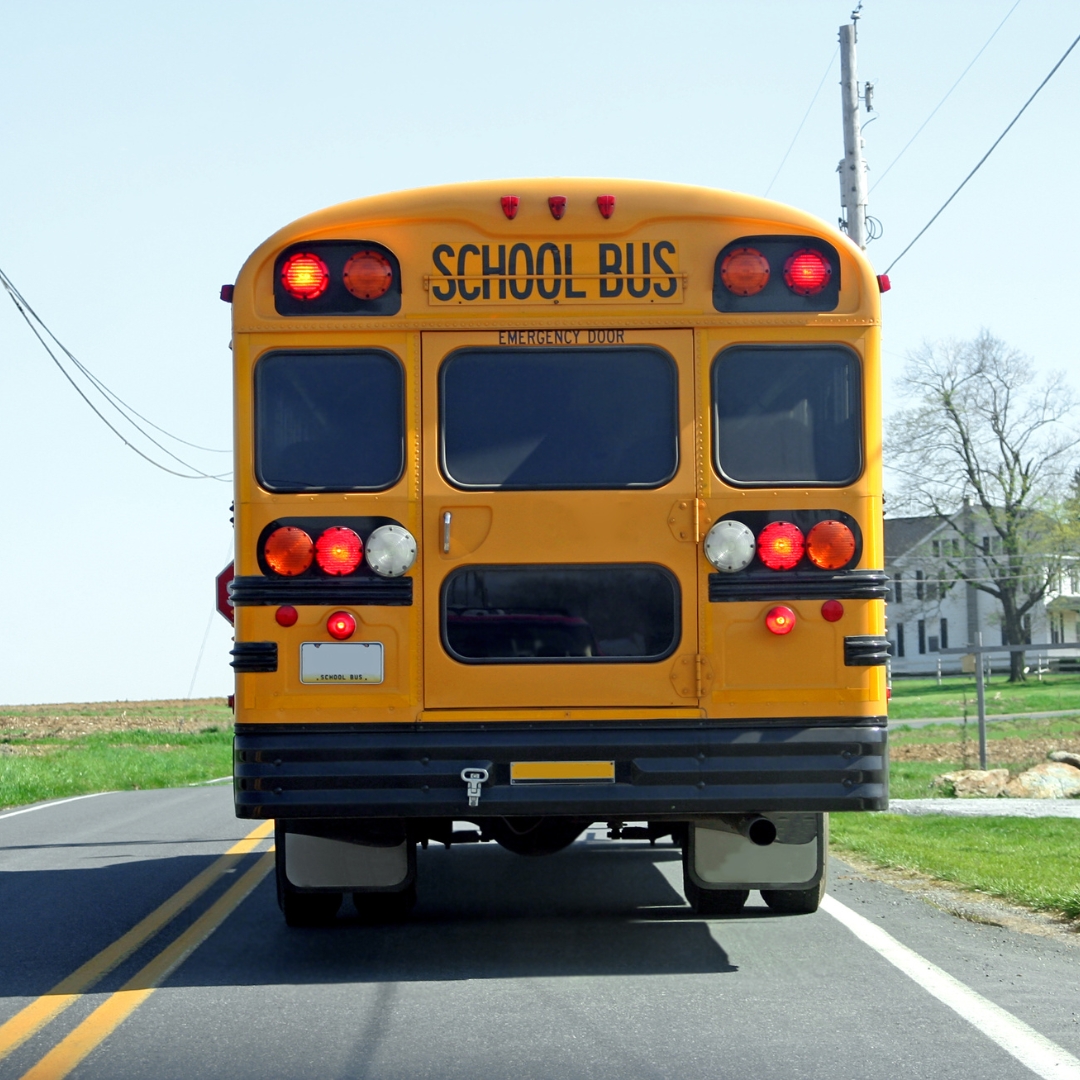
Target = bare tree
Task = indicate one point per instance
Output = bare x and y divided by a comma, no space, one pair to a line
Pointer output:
985,448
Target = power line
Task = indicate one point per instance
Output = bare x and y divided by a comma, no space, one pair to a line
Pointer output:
803,121
34,321
945,98
1076,40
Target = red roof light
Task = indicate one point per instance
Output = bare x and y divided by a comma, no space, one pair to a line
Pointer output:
305,276
807,272
368,275
744,271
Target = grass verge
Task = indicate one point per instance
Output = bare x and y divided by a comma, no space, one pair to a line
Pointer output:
50,752
915,699
1029,861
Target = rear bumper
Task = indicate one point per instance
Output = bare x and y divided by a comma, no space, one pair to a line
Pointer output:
674,770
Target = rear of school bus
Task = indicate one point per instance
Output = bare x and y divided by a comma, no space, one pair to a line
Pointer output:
557,502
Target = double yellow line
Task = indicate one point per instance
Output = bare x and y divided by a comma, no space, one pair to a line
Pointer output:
59,1061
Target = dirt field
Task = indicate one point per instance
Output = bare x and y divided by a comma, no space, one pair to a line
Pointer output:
72,721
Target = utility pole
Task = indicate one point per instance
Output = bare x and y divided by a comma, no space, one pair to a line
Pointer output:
853,195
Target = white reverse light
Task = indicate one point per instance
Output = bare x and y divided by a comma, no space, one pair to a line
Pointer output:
729,546
390,551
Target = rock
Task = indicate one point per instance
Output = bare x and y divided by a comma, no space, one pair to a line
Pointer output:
1066,756
973,783
1050,780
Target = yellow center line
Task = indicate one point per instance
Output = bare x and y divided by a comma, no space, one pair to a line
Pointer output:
112,1012
38,1013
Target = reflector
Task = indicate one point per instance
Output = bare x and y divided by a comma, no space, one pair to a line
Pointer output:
557,204
391,551
780,545
832,611
744,271
729,546
368,275
830,545
510,206
305,276
606,205
288,551
341,625
807,272
780,620
339,551
286,615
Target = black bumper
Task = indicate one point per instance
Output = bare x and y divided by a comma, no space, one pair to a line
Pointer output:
673,770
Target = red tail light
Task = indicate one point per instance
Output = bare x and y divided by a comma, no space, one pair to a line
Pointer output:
807,272
780,545
305,276
368,275
339,551
341,625
744,271
288,551
830,545
780,620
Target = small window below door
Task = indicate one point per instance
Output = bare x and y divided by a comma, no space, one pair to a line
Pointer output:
560,614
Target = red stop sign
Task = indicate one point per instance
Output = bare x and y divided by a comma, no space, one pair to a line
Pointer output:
224,604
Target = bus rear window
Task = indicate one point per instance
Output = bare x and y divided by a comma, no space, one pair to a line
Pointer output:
787,415
559,418
508,614
329,421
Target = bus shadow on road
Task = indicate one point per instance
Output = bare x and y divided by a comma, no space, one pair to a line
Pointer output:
484,913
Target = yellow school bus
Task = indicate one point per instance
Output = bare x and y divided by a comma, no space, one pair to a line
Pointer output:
558,502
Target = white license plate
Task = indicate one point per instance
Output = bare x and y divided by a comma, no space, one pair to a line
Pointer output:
341,662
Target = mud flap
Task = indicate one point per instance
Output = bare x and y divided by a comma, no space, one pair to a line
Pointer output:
341,860
720,857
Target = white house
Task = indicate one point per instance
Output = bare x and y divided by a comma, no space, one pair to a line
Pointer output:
930,610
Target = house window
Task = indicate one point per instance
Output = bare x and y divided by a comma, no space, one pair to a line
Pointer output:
1027,629
956,546
922,636
1057,628
932,589
919,586
944,633
899,593
899,639
933,643
935,546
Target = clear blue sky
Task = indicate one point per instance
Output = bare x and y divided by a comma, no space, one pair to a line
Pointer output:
148,148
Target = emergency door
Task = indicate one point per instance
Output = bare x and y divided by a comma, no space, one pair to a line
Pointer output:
559,562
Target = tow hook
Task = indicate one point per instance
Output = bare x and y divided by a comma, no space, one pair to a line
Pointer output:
474,778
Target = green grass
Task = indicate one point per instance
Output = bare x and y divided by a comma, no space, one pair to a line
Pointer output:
51,768
1029,861
1023,728
914,699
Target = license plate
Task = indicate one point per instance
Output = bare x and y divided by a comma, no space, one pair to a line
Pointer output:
341,662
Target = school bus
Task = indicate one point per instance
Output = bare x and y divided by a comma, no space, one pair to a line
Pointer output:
558,502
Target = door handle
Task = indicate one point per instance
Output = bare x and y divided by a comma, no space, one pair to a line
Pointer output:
446,532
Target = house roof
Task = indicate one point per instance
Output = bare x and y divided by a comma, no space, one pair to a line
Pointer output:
902,534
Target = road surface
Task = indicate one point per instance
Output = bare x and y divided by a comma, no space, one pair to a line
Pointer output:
133,946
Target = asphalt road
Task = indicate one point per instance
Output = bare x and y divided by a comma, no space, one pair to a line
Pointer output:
583,964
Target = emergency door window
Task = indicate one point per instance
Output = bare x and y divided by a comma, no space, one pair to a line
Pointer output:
583,614
786,415
532,419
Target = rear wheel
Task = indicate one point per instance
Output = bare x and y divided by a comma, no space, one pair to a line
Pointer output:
383,907
715,901
795,901
535,835
309,909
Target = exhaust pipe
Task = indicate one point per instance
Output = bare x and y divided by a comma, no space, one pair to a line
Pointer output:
756,828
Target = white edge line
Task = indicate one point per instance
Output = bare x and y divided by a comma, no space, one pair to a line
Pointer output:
54,802
217,780
1035,1051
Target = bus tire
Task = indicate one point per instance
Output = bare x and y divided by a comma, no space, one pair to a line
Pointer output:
309,909
384,907
535,836
795,901
715,901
